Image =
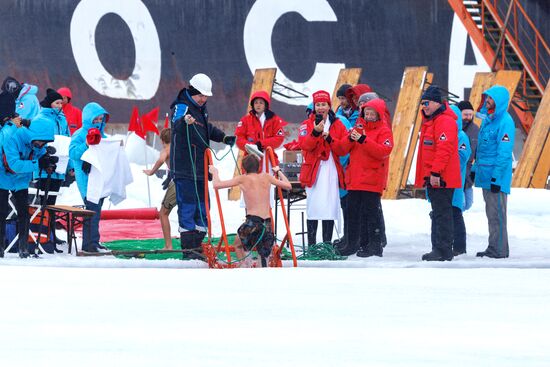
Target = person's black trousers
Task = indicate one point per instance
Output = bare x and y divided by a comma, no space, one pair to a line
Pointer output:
441,200
21,199
364,220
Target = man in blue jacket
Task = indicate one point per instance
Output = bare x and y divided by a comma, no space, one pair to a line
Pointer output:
191,135
94,118
492,169
23,152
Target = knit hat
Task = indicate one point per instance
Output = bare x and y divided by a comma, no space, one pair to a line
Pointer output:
433,93
342,90
51,96
321,96
7,106
464,105
365,97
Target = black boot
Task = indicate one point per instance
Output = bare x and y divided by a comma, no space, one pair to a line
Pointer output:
328,227
23,248
363,251
188,244
311,232
199,237
438,254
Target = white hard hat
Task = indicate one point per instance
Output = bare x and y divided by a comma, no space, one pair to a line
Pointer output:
202,83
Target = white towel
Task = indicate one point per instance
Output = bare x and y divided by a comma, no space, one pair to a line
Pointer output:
110,172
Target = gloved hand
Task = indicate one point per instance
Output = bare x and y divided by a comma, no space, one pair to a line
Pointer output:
230,140
50,150
93,137
473,176
86,167
495,188
259,145
48,163
166,182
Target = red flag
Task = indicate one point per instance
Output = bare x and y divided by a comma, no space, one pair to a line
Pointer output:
149,121
135,124
166,122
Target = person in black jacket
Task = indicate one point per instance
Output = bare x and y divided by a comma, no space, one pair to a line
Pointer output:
191,135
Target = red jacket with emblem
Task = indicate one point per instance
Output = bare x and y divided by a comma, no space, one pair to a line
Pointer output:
317,148
438,149
249,129
369,160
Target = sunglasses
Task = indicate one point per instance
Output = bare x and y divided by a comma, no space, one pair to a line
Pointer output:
425,103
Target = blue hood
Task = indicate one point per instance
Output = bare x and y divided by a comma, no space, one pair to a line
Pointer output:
41,130
90,112
501,96
28,89
458,114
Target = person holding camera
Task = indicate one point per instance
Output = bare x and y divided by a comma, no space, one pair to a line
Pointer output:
23,152
321,173
94,118
52,182
191,135
438,168
370,143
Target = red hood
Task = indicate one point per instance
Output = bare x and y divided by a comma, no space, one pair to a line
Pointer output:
379,106
263,95
65,92
356,91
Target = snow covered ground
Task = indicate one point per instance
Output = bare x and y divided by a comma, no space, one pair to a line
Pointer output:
391,311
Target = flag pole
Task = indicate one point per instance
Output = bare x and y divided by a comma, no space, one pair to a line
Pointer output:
147,167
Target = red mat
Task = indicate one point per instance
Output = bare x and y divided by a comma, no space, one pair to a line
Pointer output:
129,229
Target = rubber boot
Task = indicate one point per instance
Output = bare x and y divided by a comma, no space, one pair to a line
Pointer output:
312,232
198,238
187,242
328,227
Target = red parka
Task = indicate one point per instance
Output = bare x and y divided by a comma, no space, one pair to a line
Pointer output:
72,113
438,149
249,129
317,148
369,160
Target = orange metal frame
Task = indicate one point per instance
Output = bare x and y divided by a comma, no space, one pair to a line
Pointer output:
512,36
211,250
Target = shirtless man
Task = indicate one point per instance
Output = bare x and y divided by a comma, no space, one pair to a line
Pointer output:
256,232
169,201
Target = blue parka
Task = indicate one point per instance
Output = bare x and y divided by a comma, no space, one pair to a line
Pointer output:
464,152
493,164
26,104
61,127
78,142
21,156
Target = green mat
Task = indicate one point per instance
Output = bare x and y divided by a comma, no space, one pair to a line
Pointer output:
320,251
153,244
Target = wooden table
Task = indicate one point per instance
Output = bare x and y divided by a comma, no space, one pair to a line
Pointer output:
73,216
